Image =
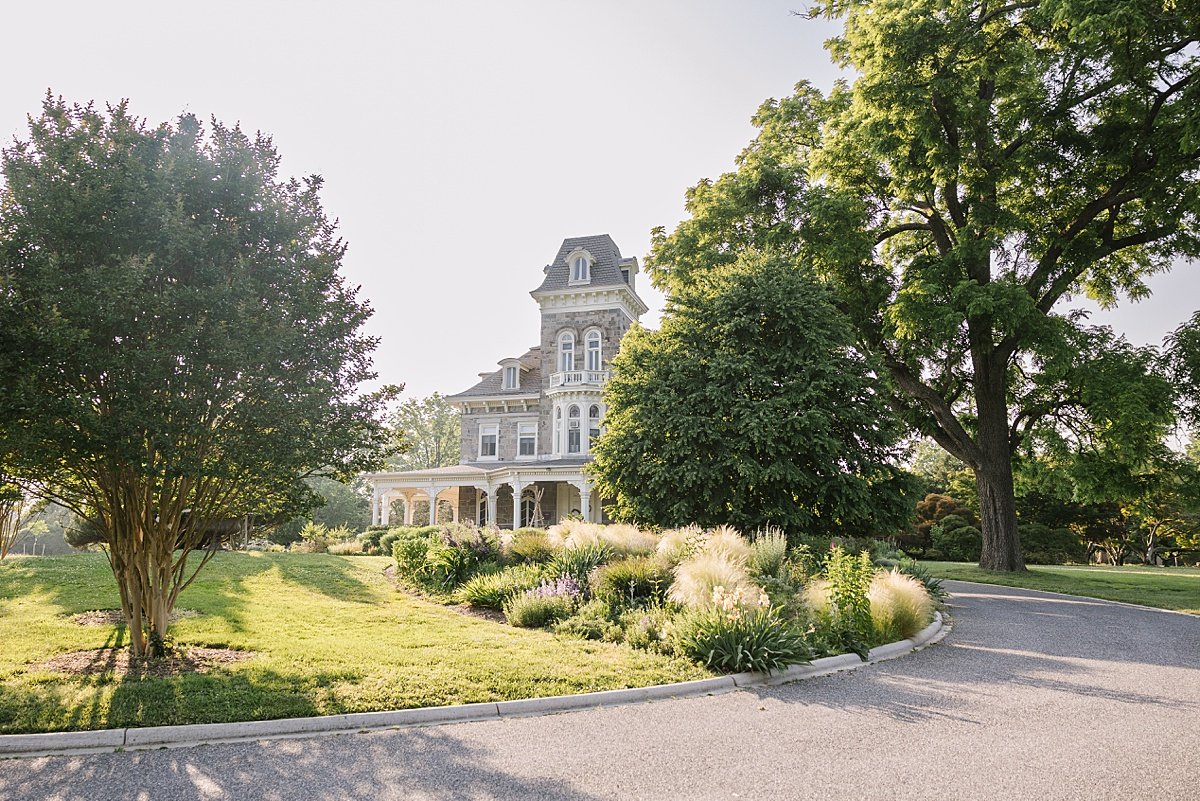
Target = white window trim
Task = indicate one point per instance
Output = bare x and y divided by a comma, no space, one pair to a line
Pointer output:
531,456
515,373
483,431
589,262
563,336
593,334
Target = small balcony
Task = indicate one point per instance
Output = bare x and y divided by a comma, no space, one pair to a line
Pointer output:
579,378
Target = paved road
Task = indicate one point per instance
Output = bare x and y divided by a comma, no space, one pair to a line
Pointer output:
1032,696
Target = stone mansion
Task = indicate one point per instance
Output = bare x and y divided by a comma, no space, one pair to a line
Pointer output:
527,427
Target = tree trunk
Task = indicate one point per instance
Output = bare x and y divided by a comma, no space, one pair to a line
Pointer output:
993,475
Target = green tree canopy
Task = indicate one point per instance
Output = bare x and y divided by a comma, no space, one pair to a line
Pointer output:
750,406
427,434
180,349
988,161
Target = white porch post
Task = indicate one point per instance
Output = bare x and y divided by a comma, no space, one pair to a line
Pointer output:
585,500
518,488
491,507
375,507
385,510
433,494
457,503
408,508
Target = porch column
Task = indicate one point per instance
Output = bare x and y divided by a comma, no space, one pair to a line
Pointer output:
491,507
457,503
408,508
518,488
433,493
585,500
375,509
385,511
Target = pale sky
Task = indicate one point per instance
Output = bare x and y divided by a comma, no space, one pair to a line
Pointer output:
461,142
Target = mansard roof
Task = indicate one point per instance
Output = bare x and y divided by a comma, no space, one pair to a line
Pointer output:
606,269
529,379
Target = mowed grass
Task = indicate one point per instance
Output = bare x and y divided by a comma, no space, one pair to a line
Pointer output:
1162,587
329,634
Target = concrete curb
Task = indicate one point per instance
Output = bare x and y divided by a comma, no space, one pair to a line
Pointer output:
55,743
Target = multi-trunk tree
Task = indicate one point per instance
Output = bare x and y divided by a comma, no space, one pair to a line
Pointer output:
987,162
180,350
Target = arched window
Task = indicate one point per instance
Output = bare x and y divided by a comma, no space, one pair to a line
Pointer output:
593,425
580,269
573,430
527,506
594,355
566,352
558,430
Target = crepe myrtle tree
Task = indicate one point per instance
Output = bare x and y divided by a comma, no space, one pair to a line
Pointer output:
751,407
988,161
179,350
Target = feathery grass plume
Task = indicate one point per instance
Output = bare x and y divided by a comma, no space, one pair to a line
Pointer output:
629,540
698,577
678,544
727,542
556,535
818,595
900,606
583,535
768,552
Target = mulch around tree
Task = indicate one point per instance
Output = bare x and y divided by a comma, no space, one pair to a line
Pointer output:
114,617
117,661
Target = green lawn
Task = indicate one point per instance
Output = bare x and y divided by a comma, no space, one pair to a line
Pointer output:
330,634
1163,587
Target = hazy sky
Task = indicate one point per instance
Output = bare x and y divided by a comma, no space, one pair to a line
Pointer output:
461,141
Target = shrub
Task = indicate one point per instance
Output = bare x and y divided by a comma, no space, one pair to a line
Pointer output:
595,620
651,629
900,606
755,640
957,539
530,545
315,537
578,562
841,600
531,611
370,539
1042,545
493,590
630,581
768,553
698,577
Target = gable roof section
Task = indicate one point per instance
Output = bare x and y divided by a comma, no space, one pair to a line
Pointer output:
492,384
606,270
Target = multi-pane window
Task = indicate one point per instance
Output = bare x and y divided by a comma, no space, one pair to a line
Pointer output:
488,437
558,430
527,439
510,377
593,425
566,352
594,355
573,430
579,269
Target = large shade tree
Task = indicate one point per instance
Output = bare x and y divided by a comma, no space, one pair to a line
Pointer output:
751,407
987,162
180,350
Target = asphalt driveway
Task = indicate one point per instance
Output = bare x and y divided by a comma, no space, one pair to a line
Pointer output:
1032,696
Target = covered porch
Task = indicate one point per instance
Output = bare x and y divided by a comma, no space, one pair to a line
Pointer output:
507,497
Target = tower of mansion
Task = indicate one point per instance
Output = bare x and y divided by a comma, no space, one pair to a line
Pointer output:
528,426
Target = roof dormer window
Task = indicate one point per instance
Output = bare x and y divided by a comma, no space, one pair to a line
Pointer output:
580,270
510,377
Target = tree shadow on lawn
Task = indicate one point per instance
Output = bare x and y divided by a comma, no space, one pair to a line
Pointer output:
427,763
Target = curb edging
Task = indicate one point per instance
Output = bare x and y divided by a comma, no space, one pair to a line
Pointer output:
105,740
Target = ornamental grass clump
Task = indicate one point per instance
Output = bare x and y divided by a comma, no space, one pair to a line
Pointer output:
528,545
629,540
631,582
725,541
737,634
579,562
493,590
548,603
680,544
900,606
768,553
697,578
